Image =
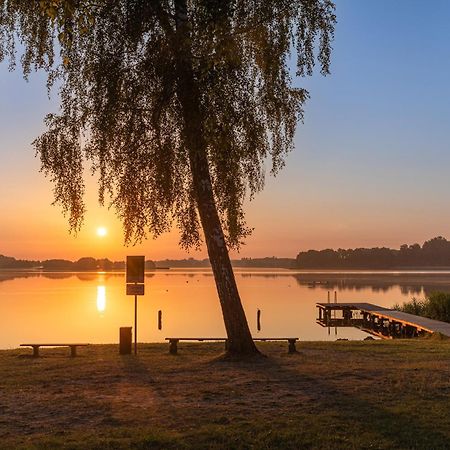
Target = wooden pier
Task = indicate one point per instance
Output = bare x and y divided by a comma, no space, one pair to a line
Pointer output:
378,321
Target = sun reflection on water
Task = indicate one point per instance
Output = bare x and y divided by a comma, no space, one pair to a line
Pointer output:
101,299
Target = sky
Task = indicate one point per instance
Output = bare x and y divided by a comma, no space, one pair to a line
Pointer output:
370,165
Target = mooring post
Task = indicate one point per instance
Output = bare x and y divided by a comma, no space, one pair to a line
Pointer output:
135,324
159,320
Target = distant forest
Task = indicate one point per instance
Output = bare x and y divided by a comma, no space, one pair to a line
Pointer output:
432,254
267,262
83,264
89,263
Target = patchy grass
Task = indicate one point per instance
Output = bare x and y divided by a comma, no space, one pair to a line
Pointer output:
349,395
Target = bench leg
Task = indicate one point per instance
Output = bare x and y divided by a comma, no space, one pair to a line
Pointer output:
292,348
173,346
36,351
73,351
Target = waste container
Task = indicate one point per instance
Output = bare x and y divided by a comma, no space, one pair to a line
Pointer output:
125,341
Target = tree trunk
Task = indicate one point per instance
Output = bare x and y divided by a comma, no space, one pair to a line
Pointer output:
239,337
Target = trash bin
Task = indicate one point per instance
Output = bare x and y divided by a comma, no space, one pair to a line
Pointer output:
125,341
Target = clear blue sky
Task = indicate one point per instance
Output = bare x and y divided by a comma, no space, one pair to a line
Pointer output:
370,165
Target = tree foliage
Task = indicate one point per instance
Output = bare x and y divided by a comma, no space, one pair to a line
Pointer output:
120,111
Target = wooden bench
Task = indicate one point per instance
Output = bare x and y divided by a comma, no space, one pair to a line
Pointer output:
73,347
173,342
290,340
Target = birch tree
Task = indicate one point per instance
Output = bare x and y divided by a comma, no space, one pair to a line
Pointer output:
177,105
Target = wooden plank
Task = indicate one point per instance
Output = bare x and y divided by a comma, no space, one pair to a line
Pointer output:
224,339
422,323
433,326
353,305
195,339
275,339
53,345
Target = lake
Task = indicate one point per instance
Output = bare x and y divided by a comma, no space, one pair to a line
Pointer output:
90,307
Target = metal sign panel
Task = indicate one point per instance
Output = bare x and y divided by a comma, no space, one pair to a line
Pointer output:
135,269
135,289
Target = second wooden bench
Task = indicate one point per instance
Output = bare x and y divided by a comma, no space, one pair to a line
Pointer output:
173,342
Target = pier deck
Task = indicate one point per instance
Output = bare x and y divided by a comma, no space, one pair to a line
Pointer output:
382,322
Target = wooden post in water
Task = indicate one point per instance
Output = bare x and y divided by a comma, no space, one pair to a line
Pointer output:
135,324
335,301
328,315
159,320
258,320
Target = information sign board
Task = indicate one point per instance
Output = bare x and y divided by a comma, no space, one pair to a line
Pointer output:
135,269
135,289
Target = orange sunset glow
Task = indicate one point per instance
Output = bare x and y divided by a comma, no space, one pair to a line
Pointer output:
224,224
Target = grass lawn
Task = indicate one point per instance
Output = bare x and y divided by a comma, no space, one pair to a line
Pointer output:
365,394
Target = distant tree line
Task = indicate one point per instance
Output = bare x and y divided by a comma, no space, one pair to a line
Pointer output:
83,264
180,263
8,262
433,253
89,263
266,262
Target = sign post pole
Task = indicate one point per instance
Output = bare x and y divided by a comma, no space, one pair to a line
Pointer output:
135,285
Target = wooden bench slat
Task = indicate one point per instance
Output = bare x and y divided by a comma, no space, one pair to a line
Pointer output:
196,339
275,339
224,339
53,345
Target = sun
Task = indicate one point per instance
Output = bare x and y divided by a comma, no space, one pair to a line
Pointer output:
102,231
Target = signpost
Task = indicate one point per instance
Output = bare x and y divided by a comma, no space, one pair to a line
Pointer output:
135,285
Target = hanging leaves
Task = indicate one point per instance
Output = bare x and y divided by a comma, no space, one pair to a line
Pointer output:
119,105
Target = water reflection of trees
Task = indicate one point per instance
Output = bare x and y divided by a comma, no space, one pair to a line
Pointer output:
7,276
408,283
82,276
412,284
264,275
357,285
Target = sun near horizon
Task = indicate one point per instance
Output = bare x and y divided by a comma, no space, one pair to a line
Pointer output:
102,231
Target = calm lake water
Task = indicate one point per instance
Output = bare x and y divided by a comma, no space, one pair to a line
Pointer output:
90,307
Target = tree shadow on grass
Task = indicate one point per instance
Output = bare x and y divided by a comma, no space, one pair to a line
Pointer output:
139,374
399,429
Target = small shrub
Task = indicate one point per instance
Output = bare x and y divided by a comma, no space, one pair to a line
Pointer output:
438,306
435,306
